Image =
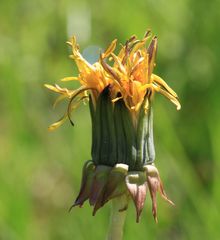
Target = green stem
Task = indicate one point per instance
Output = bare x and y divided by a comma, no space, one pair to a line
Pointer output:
117,218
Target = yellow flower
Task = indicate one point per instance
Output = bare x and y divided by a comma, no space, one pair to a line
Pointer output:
120,88
130,76
132,73
91,77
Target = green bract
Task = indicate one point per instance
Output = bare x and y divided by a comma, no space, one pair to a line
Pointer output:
122,156
117,137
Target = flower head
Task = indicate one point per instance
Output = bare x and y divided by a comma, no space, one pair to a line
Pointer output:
130,77
119,88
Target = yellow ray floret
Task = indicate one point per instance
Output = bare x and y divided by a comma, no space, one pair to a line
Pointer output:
128,73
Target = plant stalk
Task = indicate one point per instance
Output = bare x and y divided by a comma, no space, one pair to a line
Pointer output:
117,220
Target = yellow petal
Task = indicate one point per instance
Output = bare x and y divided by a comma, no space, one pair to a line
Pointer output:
116,99
136,65
60,90
109,69
110,49
118,62
146,106
60,98
72,41
58,123
81,63
137,45
121,52
145,86
72,106
173,99
51,87
69,79
163,84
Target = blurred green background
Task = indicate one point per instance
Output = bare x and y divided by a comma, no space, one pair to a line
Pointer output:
40,171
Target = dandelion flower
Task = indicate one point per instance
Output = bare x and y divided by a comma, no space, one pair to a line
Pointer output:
120,89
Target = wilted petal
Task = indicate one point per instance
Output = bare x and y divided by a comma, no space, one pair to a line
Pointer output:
137,187
152,50
147,34
111,71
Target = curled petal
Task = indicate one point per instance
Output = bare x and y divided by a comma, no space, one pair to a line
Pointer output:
82,64
78,92
58,123
159,81
56,88
59,99
67,114
173,99
116,99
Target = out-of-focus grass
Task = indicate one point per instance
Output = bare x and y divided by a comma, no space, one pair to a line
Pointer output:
40,172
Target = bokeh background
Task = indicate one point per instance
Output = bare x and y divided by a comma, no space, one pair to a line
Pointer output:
40,171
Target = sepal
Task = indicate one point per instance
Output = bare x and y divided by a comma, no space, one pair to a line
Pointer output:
155,185
116,182
86,184
137,187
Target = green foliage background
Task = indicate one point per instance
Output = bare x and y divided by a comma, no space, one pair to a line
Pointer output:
40,172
